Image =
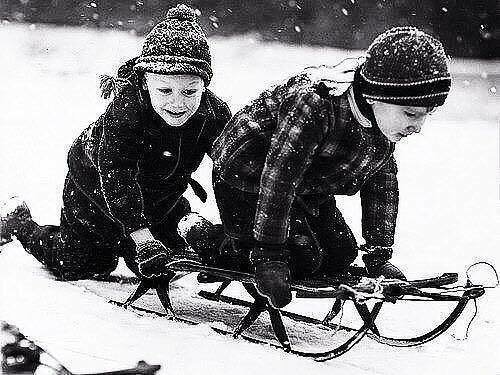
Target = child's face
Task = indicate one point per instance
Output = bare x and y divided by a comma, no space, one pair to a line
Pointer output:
175,97
397,121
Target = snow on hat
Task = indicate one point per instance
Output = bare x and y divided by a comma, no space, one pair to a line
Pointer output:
406,66
177,45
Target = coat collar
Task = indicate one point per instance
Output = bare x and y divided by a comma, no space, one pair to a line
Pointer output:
358,115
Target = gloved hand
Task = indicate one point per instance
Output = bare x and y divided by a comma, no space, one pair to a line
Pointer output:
377,262
272,274
152,257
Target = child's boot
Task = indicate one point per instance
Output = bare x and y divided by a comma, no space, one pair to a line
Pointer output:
14,213
209,241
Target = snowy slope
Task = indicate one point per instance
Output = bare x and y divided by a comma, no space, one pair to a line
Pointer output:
449,212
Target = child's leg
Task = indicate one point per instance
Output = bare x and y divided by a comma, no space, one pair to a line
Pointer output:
66,254
83,246
335,237
166,230
237,211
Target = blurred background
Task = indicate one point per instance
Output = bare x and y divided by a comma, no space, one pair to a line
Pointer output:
468,28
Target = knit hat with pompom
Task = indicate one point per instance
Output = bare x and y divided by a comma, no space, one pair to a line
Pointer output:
406,66
177,45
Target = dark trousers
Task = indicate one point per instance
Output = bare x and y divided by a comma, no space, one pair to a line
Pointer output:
88,242
326,230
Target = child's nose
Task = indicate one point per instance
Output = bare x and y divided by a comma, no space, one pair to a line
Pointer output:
176,99
414,128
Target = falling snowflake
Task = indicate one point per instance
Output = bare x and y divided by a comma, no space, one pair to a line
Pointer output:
344,10
444,9
493,89
297,28
93,5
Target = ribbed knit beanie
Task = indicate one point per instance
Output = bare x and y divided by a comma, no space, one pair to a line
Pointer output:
406,66
177,45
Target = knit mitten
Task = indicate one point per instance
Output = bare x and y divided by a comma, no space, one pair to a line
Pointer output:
152,257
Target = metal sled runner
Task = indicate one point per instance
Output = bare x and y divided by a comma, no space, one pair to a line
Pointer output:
367,294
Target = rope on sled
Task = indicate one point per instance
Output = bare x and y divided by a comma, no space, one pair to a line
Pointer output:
361,297
339,325
487,264
486,287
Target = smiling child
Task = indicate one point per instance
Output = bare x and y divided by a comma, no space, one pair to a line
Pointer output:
129,169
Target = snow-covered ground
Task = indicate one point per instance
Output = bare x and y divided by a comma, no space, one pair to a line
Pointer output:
449,211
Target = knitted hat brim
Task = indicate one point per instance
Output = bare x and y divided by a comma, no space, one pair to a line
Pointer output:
431,92
175,65
429,100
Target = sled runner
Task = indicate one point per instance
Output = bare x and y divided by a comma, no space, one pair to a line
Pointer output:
367,294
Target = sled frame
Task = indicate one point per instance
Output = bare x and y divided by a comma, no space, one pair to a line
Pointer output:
341,289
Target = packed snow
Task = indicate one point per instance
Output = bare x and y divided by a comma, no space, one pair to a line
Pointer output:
449,210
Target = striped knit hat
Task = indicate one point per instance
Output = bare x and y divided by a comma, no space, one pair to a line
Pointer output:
177,45
406,66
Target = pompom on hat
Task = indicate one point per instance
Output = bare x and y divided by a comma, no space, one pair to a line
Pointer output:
406,66
177,45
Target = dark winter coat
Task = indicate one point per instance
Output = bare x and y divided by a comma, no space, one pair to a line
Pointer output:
133,166
297,142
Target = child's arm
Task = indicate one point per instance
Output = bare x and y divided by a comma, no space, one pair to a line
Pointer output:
379,204
302,124
120,149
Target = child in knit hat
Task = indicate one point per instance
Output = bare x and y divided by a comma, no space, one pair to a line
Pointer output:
329,131
129,169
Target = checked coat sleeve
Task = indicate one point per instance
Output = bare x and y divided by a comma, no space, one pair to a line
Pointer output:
120,149
302,124
379,203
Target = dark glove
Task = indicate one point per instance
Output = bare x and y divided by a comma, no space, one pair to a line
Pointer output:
152,257
377,262
272,274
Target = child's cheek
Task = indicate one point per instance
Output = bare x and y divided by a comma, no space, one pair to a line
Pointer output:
193,103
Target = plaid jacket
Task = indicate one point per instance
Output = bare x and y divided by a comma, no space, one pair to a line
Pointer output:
297,142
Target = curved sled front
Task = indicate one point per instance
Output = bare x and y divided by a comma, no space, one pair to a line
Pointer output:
440,329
